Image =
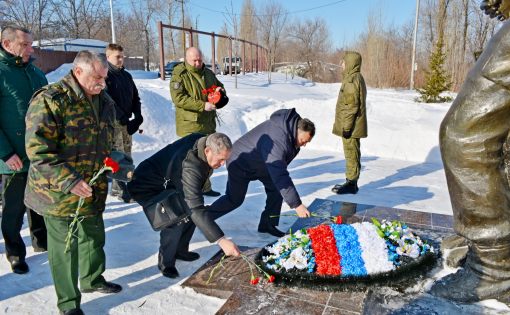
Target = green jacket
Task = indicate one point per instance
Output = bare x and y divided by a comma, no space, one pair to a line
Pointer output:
351,104
18,81
186,88
67,139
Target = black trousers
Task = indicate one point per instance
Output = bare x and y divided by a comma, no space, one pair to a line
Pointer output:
172,240
13,193
237,186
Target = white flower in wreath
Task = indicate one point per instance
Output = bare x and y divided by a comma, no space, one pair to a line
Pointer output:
297,259
411,250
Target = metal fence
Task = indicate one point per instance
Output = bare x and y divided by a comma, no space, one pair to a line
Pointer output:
257,53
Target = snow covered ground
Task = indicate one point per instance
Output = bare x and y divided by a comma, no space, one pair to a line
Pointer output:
401,168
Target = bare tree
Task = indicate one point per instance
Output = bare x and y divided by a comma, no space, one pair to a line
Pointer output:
169,13
81,18
248,29
271,20
312,39
32,14
231,17
143,13
223,45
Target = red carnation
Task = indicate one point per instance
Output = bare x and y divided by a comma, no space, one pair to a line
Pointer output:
254,280
111,164
270,279
214,97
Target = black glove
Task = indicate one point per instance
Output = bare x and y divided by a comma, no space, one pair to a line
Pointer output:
223,100
126,167
133,125
346,134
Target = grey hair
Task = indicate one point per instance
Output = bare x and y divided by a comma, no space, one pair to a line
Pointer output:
9,32
86,58
218,142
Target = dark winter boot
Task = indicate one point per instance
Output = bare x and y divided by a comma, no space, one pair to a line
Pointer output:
486,275
349,187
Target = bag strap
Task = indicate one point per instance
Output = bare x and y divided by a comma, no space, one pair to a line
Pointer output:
167,178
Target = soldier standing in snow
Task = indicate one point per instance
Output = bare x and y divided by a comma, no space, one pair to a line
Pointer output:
20,79
351,120
193,112
69,134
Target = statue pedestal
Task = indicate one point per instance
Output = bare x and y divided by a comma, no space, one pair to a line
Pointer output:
233,281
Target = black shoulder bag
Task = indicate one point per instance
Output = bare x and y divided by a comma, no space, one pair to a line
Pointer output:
167,208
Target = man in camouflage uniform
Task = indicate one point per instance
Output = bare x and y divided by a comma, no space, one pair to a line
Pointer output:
475,148
193,113
351,120
69,133
19,79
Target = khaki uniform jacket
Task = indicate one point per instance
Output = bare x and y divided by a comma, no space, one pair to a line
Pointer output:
186,88
351,104
66,141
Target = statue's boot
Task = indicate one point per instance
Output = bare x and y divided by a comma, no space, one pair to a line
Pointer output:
454,249
453,241
486,275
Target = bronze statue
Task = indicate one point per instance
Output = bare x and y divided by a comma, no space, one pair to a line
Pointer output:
475,147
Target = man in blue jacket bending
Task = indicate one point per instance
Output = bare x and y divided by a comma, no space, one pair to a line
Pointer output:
263,154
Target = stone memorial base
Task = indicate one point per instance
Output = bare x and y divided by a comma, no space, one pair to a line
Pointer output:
232,282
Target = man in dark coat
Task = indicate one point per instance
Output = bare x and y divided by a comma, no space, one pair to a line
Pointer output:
263,154
183,166
19,80
121,87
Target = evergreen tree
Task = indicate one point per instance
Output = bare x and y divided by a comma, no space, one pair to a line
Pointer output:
437,81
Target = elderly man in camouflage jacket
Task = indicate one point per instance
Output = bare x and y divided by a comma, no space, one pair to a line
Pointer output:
69,133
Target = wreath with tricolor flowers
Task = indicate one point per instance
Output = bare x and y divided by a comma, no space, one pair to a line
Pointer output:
344,256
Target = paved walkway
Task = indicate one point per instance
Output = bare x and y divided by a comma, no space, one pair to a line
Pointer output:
406,297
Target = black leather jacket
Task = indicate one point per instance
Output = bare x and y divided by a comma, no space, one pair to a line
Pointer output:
183,166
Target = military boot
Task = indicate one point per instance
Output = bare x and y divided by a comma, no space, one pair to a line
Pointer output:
349,187
486,275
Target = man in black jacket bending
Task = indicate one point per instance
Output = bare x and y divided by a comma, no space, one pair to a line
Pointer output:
122,89
183,166
263,154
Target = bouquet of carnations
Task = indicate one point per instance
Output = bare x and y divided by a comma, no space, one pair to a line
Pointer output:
213,96
216,96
